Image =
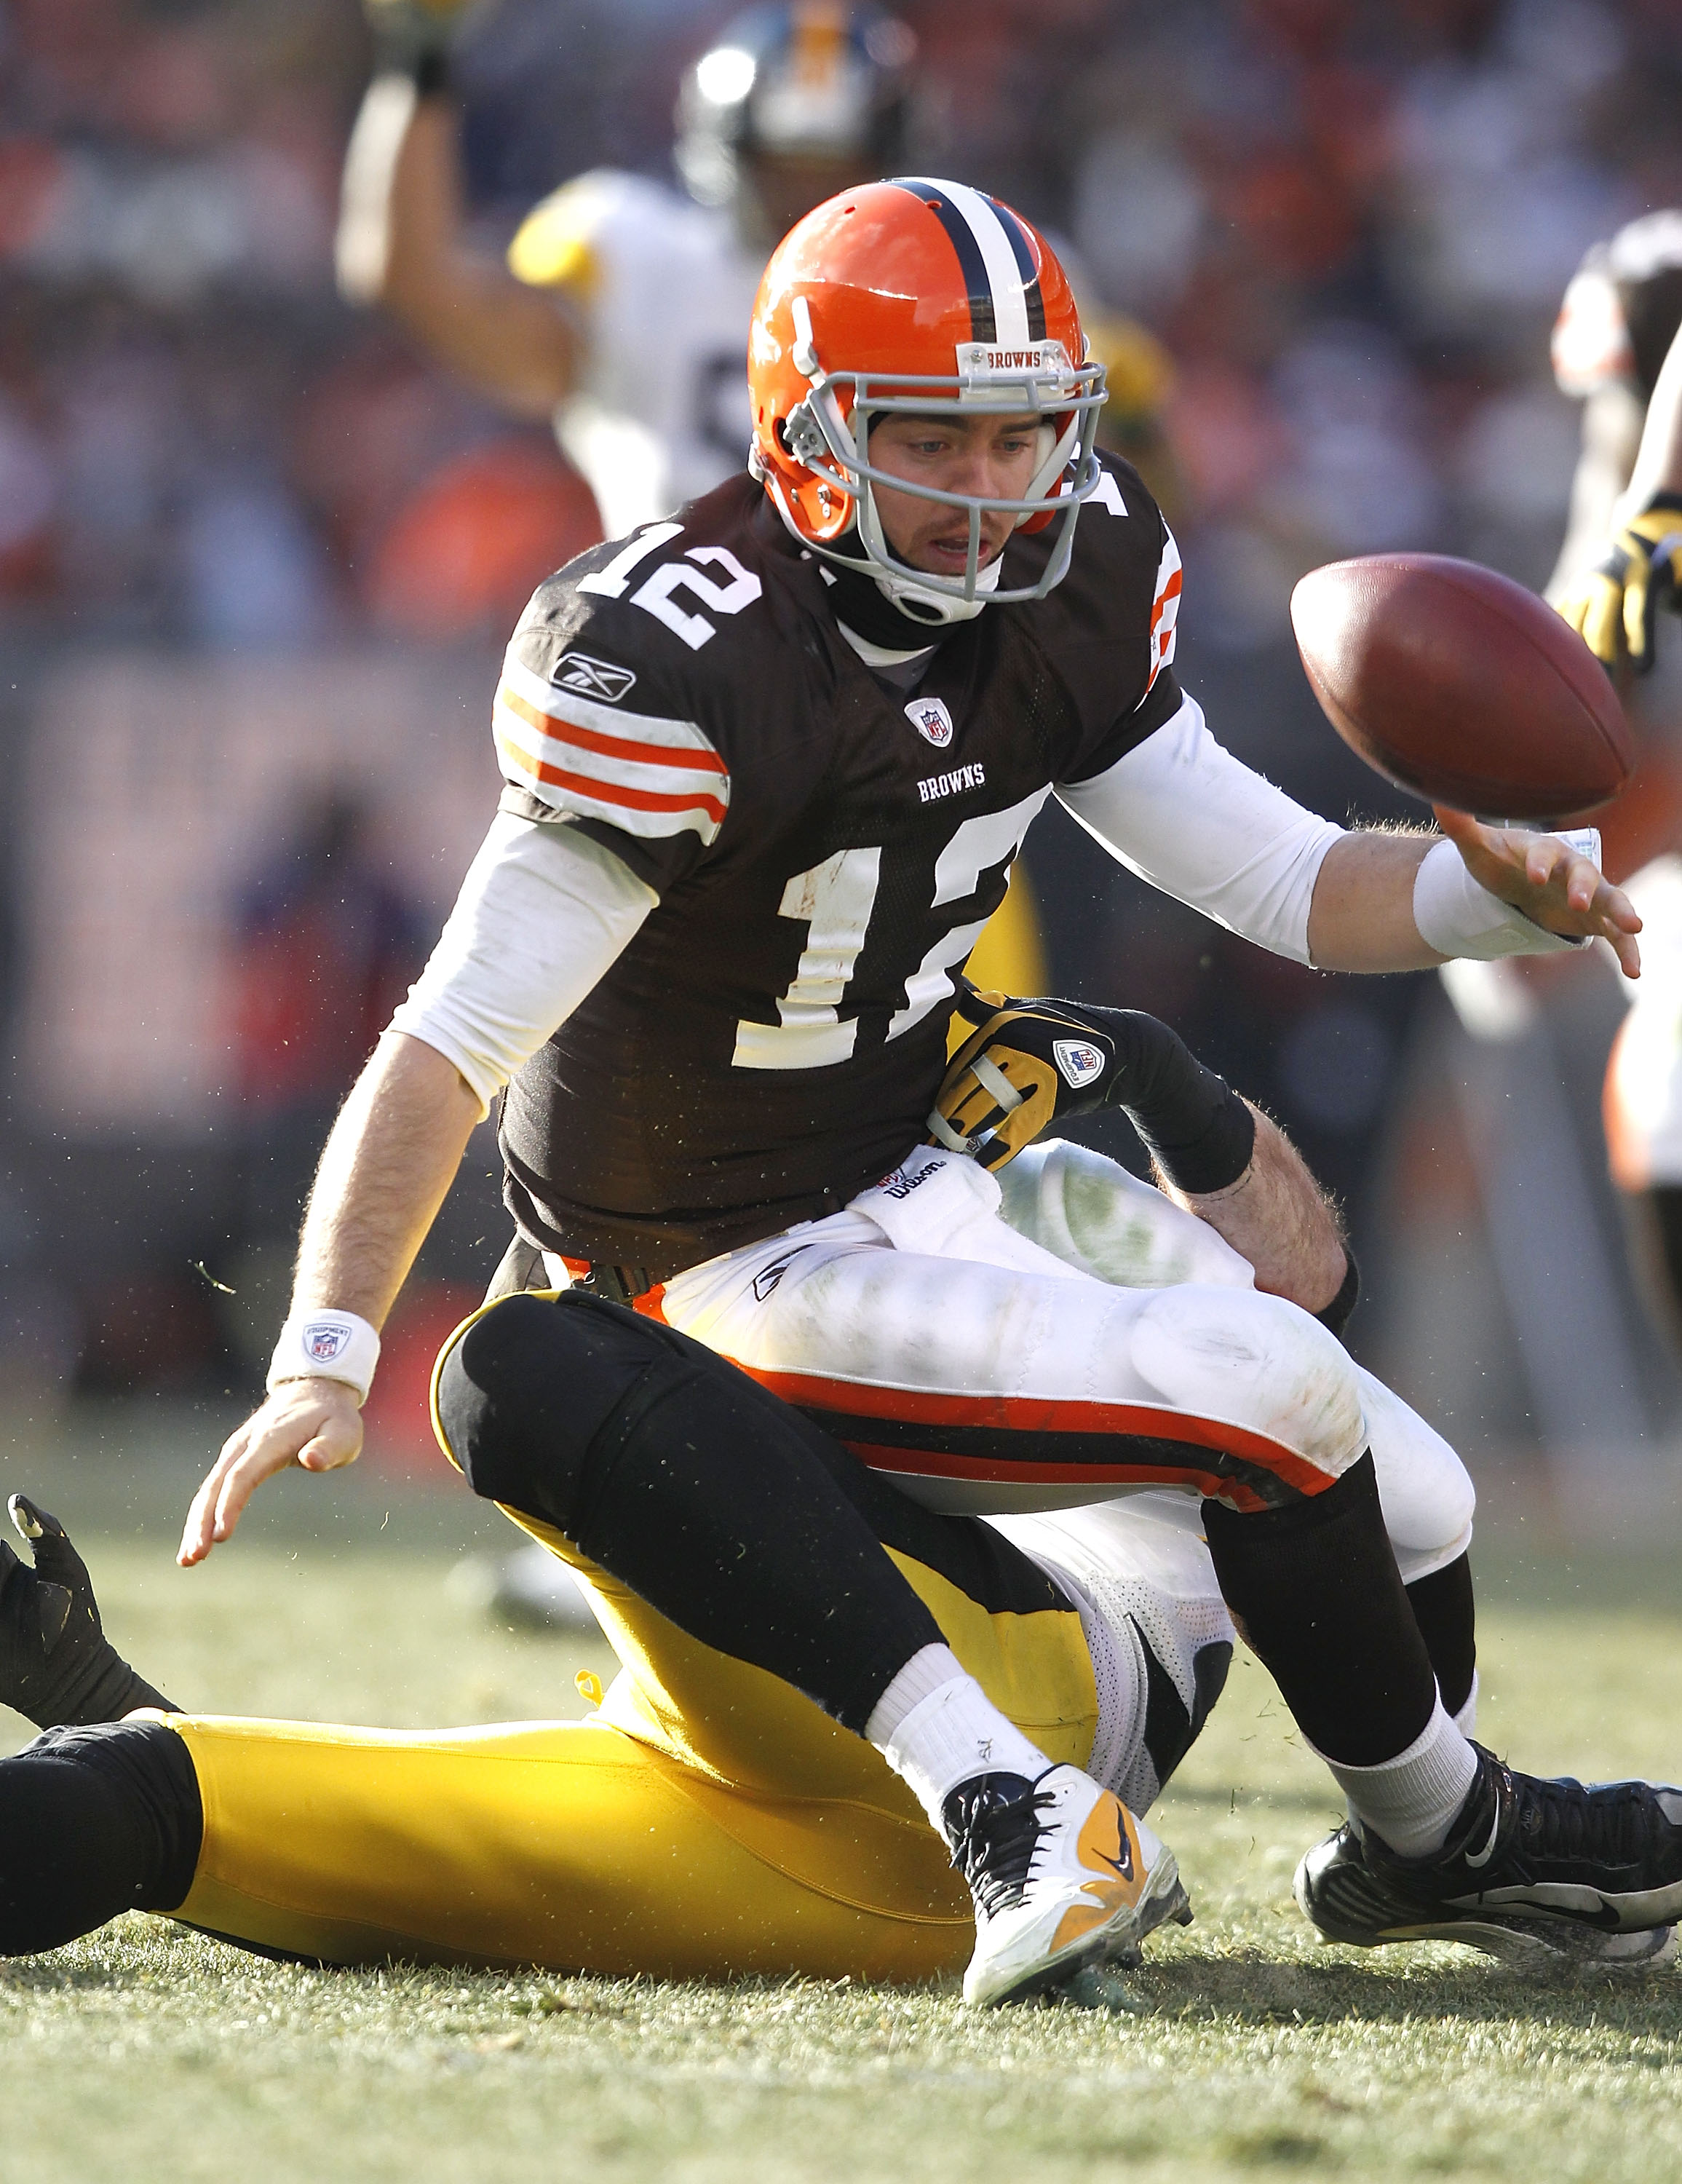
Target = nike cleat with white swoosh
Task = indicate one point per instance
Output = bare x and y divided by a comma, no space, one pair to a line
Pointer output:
1064,1878
1540,1873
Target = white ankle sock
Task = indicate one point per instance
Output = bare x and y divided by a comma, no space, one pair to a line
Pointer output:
1410,1801
936,1727
921,1676
1466,1721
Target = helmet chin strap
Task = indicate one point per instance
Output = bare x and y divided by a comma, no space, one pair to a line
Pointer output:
922,602
913,609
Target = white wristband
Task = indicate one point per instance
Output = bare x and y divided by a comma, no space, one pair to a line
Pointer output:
1458,918
326,1345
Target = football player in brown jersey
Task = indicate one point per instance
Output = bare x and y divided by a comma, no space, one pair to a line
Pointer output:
768,763
621,313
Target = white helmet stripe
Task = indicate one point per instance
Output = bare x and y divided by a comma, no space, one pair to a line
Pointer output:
1004,277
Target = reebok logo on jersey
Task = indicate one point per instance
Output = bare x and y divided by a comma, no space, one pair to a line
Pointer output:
590,678
1079,1061
931,720
934,786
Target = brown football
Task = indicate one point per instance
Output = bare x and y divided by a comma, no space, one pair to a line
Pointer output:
1462,686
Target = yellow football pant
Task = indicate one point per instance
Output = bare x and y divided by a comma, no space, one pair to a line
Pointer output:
708,1820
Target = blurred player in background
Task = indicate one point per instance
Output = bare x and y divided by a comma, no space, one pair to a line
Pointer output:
622,312
1616,346
1611,347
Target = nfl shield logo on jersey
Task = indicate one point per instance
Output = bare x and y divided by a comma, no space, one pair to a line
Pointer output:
1079,1062
931,720
590,678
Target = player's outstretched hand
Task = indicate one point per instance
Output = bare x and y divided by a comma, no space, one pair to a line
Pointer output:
316,1424
1553,884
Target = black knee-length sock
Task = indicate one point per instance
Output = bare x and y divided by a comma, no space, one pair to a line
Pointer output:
94,1821
1314,1588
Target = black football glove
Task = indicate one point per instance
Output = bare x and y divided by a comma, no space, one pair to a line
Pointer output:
1032,1062
1614,607
56,1664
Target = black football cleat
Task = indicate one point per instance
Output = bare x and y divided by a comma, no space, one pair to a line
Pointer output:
1539,1873
57,1666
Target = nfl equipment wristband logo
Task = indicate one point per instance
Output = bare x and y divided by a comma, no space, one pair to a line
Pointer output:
324,1344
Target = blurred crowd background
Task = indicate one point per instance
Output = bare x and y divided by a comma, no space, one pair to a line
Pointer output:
256,557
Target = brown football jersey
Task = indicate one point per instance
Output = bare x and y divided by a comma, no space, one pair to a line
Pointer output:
826,849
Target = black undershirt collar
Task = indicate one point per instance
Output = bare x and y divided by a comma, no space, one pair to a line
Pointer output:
855,598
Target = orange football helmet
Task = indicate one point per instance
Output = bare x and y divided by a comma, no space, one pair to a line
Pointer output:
928,297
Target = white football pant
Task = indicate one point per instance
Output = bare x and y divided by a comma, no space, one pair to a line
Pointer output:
1058,1335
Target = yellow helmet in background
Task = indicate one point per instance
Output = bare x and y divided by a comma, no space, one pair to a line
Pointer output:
1139,375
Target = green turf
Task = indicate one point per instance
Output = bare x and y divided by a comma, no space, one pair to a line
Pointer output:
148,2052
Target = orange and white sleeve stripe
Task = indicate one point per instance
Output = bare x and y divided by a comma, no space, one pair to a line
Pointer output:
1164,607
645,774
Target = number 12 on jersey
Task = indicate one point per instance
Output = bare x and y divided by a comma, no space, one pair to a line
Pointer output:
835,901
654,596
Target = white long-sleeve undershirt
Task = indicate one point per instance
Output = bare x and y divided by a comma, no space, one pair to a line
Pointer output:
543,915
545,911
1181,811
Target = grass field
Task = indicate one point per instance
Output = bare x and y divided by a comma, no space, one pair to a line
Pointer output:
147,2053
